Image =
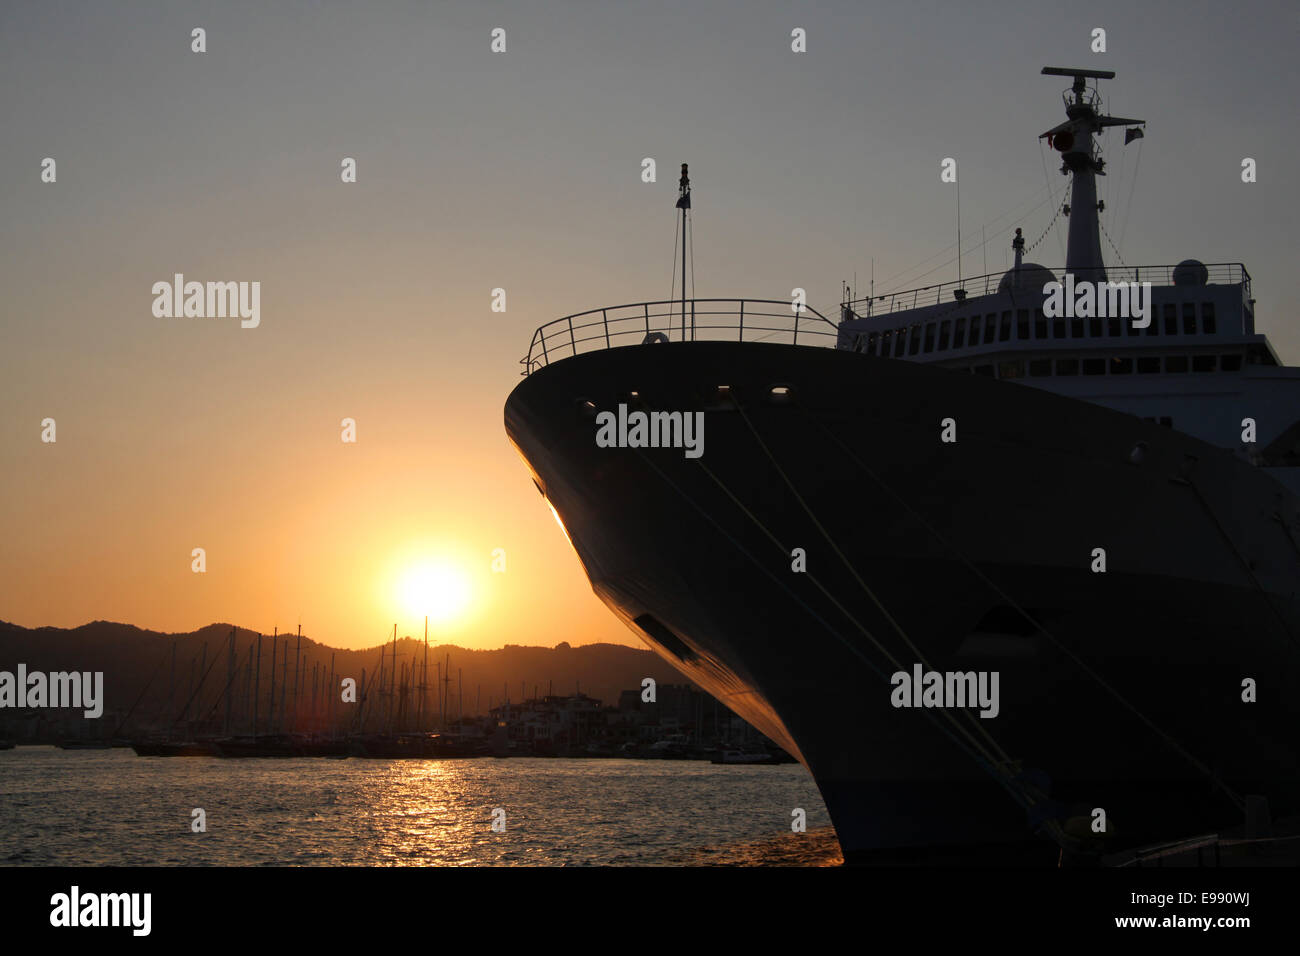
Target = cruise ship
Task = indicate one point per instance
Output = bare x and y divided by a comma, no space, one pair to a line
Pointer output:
1095,514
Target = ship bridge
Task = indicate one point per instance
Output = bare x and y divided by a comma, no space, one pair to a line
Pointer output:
1199,319
1198,365
1188,356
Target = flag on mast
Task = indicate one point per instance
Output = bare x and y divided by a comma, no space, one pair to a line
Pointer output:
684,200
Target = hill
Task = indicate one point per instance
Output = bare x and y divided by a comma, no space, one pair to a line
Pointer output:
138,668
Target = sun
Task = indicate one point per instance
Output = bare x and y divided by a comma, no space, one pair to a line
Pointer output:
439,590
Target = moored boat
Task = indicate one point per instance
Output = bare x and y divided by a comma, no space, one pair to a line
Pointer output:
1077,532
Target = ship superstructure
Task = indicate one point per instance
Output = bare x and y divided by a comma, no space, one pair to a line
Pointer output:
1198,365
1111,551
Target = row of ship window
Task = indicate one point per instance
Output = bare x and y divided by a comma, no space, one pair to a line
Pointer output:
1116,365
966,332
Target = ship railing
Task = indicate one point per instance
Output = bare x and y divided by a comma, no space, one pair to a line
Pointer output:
676,320
1089,97
1219,273
1207,850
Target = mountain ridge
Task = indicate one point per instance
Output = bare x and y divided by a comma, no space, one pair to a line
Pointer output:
138,665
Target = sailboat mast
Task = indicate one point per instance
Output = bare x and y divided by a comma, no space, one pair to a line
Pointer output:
329,696
361,708
379,678
203,675
284,683
297,662
275,645
257,682
376,681
392,681
248,686
401,701
171,693
185,712
230,681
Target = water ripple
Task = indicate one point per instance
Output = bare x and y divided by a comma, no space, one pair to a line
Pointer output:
93,808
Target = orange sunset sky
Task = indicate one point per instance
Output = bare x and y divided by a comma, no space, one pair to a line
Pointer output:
520,171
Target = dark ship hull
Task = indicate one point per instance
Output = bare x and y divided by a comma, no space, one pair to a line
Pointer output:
1119,690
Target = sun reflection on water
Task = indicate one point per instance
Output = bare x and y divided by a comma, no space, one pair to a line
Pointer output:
110,807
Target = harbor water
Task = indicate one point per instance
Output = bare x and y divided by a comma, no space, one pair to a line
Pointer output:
110,807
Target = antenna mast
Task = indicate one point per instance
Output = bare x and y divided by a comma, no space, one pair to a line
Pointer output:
1073,139
684,204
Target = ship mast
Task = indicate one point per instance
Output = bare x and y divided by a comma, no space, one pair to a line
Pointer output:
1073,139
684,204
